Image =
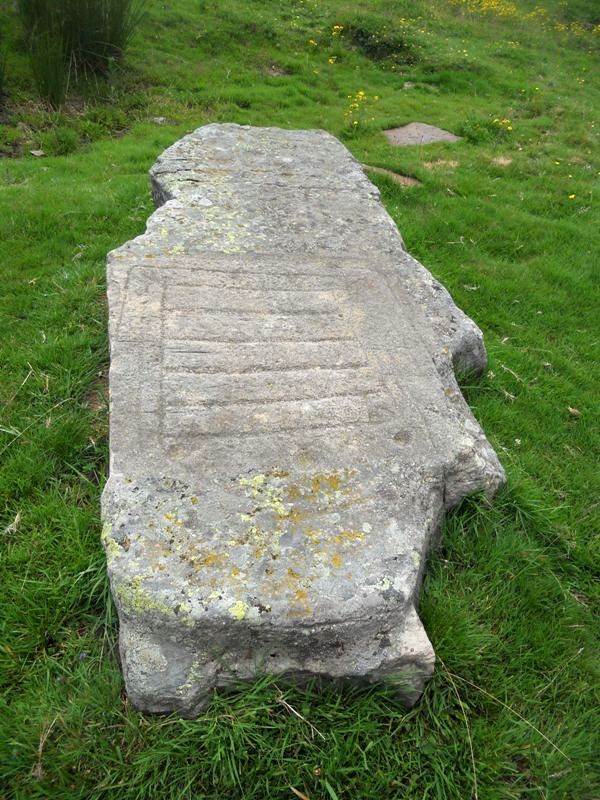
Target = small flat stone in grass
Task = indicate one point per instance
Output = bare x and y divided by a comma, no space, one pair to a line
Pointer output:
418,133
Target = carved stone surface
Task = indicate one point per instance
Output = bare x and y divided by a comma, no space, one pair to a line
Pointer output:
286,429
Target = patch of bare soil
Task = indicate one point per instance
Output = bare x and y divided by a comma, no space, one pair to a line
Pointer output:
502,161
275,71
403,180
441,163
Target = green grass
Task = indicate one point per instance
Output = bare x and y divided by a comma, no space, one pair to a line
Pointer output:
511,597
88,34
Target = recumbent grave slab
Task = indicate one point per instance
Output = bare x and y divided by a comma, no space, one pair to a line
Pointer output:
286,430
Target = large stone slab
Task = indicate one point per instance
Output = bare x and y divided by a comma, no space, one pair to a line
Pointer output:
286,430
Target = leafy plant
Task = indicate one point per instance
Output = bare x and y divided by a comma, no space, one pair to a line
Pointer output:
59,141
2,67
478,130
94,33
358,111
380,41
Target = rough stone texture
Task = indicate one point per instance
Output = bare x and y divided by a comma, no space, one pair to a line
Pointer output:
419,133
286,429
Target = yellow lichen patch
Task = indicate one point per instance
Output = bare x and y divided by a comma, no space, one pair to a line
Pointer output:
239,610
274,500
112,548
254,483
323,482
299,612
337,560
344,537
327,485
295,516
265,493
133,596
293,492
292,574
313,535
193,499
214,559
299,606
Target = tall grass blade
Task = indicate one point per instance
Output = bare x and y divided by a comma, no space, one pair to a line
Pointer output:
49,70
92,35
2,71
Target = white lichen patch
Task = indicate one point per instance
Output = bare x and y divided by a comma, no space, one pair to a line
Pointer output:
384,584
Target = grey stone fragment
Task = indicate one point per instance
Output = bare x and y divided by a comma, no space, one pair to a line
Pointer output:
418,133
286,428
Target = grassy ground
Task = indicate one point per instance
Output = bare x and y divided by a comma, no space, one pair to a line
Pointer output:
507,219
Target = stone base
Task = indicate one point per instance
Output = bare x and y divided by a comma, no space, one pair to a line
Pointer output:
166,672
